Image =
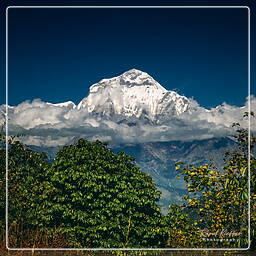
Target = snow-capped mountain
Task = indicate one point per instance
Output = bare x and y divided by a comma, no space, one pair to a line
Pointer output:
134,94
129,108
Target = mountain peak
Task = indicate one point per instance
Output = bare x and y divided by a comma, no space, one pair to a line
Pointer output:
134,70
130,78
134,73
133,94
135,77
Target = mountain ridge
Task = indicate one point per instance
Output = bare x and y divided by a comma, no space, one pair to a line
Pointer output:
134,93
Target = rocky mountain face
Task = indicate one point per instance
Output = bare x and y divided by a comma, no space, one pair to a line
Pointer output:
134,94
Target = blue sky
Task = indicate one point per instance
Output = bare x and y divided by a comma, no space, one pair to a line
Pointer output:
56,54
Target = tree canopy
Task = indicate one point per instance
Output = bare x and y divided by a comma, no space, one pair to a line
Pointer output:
219,197
101,199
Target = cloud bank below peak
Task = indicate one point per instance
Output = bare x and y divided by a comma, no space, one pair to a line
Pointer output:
129,108
45,124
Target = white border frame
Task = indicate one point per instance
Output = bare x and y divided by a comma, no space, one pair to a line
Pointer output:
128,249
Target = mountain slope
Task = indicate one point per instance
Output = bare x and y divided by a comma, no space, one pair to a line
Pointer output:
134,94
158,159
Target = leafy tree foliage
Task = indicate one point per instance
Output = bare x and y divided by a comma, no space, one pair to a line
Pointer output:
253,205
26,179
220,197
2,180
101,199
181,229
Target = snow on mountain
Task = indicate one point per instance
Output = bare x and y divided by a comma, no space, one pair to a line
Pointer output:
134,94
129,108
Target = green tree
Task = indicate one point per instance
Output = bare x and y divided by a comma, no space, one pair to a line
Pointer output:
26,185
101,199
220,197
181,229
2,179
253,196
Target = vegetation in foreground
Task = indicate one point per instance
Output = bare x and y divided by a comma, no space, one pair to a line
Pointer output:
91,197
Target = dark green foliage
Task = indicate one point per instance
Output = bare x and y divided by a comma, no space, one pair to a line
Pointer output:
101,199
26,181
2,181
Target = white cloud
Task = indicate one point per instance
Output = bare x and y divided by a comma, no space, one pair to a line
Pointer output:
47,124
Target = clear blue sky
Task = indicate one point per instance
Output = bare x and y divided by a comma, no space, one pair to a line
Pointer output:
56,54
